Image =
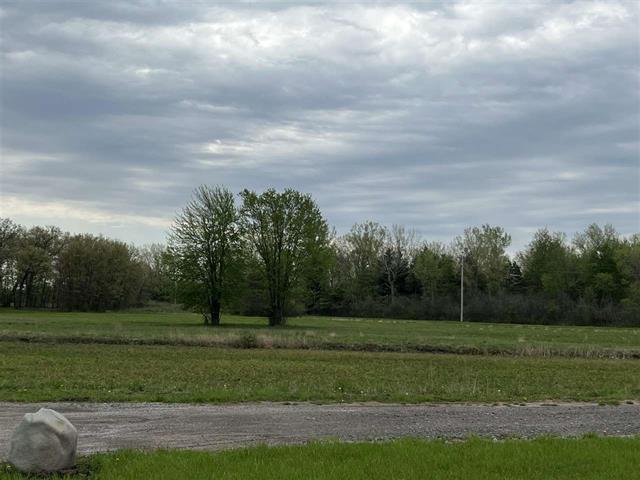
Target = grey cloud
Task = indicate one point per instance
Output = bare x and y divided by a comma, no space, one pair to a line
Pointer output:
437,115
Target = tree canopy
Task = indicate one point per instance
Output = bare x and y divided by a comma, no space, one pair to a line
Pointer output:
204,243
288,233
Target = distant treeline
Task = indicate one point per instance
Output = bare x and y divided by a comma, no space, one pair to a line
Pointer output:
44,267
592,280
372,271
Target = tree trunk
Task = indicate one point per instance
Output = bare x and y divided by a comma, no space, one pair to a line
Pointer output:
277,317
392,287
214,308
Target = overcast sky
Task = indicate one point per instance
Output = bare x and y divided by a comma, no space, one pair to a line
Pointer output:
434,115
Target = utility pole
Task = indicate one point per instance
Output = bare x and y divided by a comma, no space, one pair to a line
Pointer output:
462,288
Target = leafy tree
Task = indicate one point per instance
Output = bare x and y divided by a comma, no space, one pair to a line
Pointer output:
288,233
318,287
548,264
596,248
485,257
628,263
10,235
363,247
35,259
435,268
339,274
157,272
98,274
204,241
398,250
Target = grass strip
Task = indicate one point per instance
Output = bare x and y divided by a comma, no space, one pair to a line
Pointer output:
327,333
74,372
589,458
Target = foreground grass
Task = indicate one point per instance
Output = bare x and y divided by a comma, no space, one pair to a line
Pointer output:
184,328
41,372
588,458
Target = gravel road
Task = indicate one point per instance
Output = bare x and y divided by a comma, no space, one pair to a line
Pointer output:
213,427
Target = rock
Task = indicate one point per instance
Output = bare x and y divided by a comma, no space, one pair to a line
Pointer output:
44,441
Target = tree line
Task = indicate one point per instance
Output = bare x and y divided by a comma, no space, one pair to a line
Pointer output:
44,267
273,254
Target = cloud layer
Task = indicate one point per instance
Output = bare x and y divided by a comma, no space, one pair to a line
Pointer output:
438,116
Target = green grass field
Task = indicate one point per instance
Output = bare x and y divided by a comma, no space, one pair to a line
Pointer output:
321,333
589,458
40,372
170,357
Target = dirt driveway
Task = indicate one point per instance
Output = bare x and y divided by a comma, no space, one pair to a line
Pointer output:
212,427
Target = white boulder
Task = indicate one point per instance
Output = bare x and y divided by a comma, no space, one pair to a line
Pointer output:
44,441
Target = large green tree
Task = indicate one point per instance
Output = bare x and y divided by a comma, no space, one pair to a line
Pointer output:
205,239
288,233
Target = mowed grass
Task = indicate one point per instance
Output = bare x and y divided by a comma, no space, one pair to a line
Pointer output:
90,372
589,458
185,328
